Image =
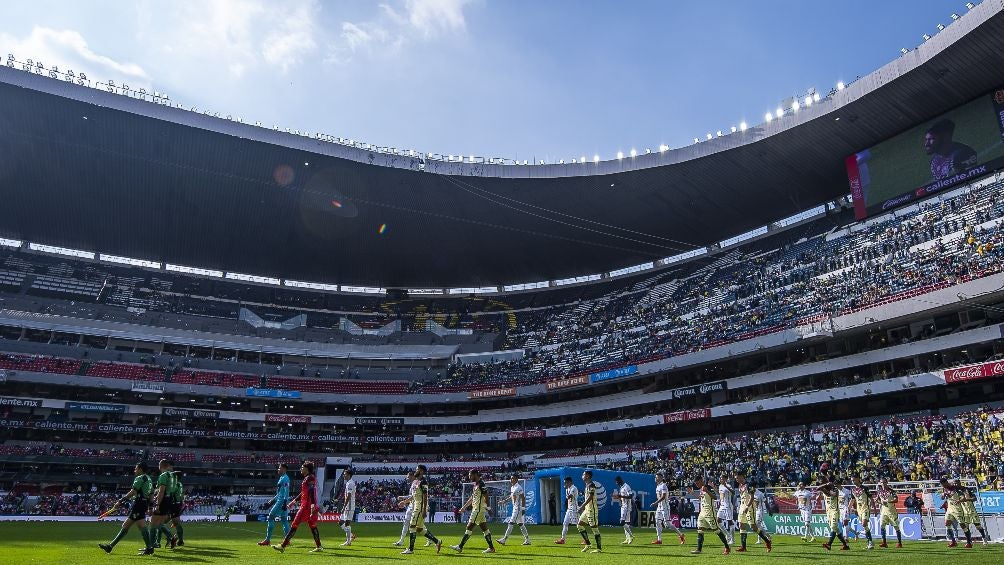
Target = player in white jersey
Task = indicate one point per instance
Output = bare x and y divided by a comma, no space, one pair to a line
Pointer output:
625,495
804,499
760,499
726,509
571,510
845,512
408,502
663,515
348,506
518,516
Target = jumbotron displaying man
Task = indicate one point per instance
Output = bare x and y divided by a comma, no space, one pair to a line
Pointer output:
948,157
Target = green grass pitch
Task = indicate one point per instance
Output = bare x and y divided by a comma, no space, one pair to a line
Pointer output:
66,543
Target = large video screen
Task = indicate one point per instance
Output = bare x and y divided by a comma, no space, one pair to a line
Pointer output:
952,149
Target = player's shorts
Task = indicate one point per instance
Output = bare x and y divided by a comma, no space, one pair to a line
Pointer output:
626,514
866,521
138,509
707,523
278,510
165,508
971,516
476,519
416,521
661,516
952,516
348,512
747,516
833,520
589,519
305,515
806,516
725,513
887,518
179,508
516,517
571,517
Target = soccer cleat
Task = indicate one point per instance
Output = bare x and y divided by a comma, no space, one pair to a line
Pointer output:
899,545
457,548
278,547
656,542
595,551
695,551
427,543
969,545
489,550
584,542
156,545
726,551
805,538
398,543
870,546
181,543
264,542
353,537
317,549
407,552
826,546
526,542
559,541
439,547
585,549
883,544
683,539
173,542
812,539
346,543
107,548
953,543
145,551
500,541
769,546
845,547
740,550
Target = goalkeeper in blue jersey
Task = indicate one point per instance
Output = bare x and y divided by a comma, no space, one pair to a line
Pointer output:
278,506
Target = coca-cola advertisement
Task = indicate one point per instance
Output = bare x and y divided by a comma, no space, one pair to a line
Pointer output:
974,372
687,415
287,419
526,434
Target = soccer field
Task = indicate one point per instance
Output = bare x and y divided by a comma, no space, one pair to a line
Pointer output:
69,543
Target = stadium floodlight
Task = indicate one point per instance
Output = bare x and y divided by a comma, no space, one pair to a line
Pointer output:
926,37
970,5
779,112
634,153
768,117
718,133
471,157
709,136
815,97
955,16
524,161
561,161
794,106
696,140
647,151
663,148
596,158
734,129
742,126
807,101
840,85
941,27
620,155
904,50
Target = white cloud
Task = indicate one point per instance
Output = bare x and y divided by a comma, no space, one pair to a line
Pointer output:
68,50
393,28
286,46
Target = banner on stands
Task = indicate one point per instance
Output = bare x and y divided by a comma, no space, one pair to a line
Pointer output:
191,413
147,386
491,393
791,524
190,432
613,373
96,407
187,518
565,383
526,434
271,393
287,418
974,372
379,421
706,388
687,415
19,402
993,501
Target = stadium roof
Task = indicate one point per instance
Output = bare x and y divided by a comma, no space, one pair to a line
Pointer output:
86,169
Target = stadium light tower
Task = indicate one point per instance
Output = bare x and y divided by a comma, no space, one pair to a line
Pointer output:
768,117
634,153
941,27
955,16
663,148
779,112
794,106
840,85
970,5
709,136
742,125
926,37
807,101
904,50
596,158
620,155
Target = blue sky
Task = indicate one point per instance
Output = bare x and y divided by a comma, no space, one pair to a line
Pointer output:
527,79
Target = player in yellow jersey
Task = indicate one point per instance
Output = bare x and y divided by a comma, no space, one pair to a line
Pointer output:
889,515
748,514
589,514
970,517
478,504
863,507
419,501
953,509
830,492
706,520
